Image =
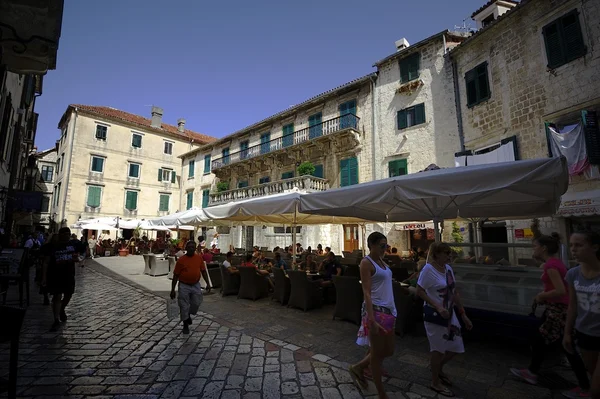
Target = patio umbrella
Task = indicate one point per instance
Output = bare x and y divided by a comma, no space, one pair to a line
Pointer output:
510,189
98,226
192,216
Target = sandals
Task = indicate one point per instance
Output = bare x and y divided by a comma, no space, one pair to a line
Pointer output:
445,380
358,379
443,392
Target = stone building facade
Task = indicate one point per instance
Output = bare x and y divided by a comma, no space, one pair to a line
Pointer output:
46,165
527,67
111,163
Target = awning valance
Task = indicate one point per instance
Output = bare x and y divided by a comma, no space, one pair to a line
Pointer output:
583,203
413,226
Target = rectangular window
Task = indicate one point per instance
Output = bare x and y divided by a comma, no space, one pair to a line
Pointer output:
409,68
136,140
477,84
398,167
57,197
286,230
225,155
205,198
287,175
63,165
166,175
58,165
168,148
244,149
265,143
318,171
134,170
191,169
411,116
348,115
131,198
47,173
163,202
207,164
97,164
189,200
101,132
288,135
243,183
93,196
563,40
264,180
348,172
45,204
315,126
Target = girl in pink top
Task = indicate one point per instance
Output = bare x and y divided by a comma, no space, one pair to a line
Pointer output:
556,299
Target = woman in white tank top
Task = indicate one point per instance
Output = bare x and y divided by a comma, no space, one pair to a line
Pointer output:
378,314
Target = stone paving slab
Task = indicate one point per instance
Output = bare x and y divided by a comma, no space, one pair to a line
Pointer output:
119,343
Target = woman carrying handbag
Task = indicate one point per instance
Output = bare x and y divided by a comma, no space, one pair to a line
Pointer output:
436,286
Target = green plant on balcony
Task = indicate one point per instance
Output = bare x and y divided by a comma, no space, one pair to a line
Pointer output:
306,168
222,186
457,238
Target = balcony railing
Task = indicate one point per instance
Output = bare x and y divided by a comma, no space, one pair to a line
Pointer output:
304,183
348,121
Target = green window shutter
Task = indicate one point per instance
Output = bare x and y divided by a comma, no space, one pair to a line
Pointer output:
572,37
554,45
242,184
419,113
163,203
471,85
344,173
287,175
483,84
190,199
131,200
264,180
207,164
191,167
159,174
318,171
94,196
205,198
353,170
402,123
173,177
97,164
136,141
397,167
404,75
409,68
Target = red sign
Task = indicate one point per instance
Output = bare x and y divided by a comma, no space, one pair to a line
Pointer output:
519,233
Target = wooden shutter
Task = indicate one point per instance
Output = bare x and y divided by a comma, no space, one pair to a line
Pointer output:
353,170
136,141
207,164
592,136
190,199
572,39
131,200
191,167
159,174
402,123
173,176
471,85
205,198
164,203
93,196
419,113
404,73
397,167
413,70
554,45
344,173
318,171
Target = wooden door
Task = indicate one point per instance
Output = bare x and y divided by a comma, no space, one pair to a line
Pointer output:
351,237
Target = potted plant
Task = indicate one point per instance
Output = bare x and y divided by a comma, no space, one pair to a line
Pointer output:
174,246
306,168
222,186
123,250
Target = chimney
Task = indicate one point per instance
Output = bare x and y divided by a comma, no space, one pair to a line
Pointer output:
401,44
157,114
181,125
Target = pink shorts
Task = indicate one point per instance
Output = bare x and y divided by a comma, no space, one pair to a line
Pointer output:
383,317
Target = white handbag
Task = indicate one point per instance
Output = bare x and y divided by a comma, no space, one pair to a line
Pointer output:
172,308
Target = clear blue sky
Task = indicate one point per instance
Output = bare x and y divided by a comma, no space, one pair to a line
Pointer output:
223,65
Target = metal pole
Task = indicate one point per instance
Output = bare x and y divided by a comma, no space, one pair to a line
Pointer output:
436,228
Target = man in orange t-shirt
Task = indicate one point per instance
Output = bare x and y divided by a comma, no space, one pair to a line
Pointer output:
187,272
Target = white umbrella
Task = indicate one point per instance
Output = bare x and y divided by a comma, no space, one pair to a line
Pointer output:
192,216
97,226
510,189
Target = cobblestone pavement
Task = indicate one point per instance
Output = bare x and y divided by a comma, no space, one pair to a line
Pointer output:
119,343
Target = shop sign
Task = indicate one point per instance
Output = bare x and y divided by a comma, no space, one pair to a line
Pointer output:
414,226
523,233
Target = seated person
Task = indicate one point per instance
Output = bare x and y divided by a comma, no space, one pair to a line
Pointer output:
207,256
320,250
248,262
276,249
255,253
309,250
471,258
215,250
309,264
280,263
330,267
413,278
264,273
227,264
327,250
388,250
299,248
262,261
395,252
422,260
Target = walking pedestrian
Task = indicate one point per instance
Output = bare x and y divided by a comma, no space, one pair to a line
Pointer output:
555,298
583,316
92,244
378,314
436,286
188,270
58,274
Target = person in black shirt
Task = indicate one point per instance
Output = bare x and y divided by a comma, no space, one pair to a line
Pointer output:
58,275
330,267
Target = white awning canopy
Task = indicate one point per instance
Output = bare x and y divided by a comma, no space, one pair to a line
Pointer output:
583,203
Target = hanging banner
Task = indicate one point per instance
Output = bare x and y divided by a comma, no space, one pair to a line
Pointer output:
413,226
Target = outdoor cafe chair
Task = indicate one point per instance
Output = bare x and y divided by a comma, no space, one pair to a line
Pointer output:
214,273
230,282
282,286
349,299
252,286
305,294
158,267
352,271
404,304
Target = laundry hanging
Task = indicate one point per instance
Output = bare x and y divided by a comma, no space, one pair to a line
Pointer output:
570,142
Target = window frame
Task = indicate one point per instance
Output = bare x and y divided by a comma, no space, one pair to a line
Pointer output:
189,199
167,144
133,135
191,169
349,179
473,75
44,173
264,180
160,197
137,194
408,62
104,136
46,209
207,162
417,111
92,163
87,196
242,183
403,161
205,198
139,170
558,24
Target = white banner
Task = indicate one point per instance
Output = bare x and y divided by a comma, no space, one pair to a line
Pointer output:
414,226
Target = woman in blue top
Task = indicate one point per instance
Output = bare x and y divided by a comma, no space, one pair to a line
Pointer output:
280,263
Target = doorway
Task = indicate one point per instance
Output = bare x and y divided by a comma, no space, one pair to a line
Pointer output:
494,233
351,237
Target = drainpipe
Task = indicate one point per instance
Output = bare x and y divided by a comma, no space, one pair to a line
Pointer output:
461,134
373,126
66,188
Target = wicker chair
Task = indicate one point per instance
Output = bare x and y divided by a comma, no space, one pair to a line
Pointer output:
158,268
349,299
214,273
282,286
352,271
230,282
305,294
252,286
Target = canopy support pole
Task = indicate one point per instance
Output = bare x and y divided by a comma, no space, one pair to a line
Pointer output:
363,229
436,227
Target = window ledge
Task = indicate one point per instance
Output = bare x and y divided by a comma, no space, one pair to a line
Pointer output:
483,100
206,173
191,178
413,127
409,87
